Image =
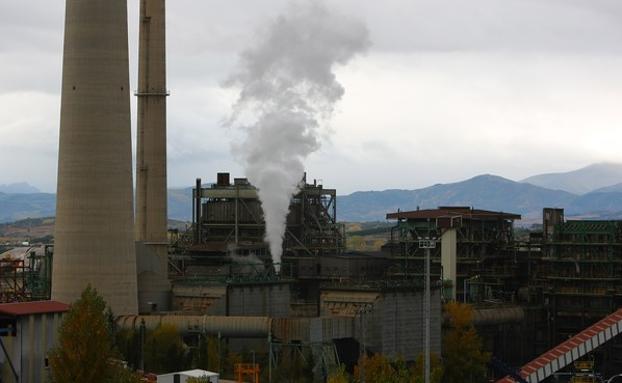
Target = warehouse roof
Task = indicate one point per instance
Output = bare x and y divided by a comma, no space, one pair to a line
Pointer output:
452,211
29,308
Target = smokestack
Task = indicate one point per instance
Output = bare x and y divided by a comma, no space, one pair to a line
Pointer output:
151,216
151,225
94,221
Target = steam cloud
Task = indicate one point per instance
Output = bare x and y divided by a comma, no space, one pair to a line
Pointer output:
289,90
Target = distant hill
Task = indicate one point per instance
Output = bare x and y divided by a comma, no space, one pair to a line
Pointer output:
18,206
485,192
609,189
582,180
19,187
180,204
597,202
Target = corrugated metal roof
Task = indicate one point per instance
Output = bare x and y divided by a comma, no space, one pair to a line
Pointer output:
455,211
30,308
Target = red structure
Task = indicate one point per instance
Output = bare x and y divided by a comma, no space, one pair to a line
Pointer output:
13,281
569,351
250,370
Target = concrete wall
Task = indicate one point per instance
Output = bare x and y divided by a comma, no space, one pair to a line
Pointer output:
262,299
393,320
345,266
199,299
449,254
402,324
271,300
35,337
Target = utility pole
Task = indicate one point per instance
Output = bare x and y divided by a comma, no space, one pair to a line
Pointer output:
427,244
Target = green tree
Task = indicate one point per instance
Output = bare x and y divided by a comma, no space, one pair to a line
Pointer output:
214,359
165,351
463,356
84,347
128,344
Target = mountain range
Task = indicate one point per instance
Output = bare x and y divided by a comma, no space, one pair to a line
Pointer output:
581,181
594,191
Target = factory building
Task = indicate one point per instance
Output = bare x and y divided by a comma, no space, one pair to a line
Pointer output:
475,260
28,331
228,217
388,318
219,278
579,275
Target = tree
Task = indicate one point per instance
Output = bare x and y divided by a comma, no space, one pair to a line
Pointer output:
436,369
165,351
376,369
84,347
464,359
128,343
339,375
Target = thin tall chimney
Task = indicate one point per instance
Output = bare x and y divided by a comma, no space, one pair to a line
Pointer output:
151,217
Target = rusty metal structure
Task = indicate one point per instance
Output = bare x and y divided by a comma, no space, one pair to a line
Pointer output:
227,217
579,276
479,244
244,370
26,276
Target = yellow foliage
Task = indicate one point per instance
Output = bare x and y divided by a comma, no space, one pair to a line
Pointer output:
339,376
460,314
464,358
377,369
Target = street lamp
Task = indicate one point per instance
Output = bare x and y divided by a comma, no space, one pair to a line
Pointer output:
427,244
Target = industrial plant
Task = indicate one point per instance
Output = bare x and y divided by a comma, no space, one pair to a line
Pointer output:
540,303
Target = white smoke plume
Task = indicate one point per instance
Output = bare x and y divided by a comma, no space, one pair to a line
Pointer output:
288,90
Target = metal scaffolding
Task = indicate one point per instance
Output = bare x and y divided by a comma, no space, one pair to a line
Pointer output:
227,217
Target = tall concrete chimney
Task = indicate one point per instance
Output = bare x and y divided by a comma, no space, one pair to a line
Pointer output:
151,214
151,217
94,207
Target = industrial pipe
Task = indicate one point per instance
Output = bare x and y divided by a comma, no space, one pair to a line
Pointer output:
229,327
492,316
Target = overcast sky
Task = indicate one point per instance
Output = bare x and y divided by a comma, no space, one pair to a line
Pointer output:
449,89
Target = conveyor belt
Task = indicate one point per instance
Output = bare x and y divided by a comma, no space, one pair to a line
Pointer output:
574,348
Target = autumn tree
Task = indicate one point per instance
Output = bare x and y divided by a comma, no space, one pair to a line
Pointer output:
463,356
436,369
84,352
380,369
84,343
339,375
